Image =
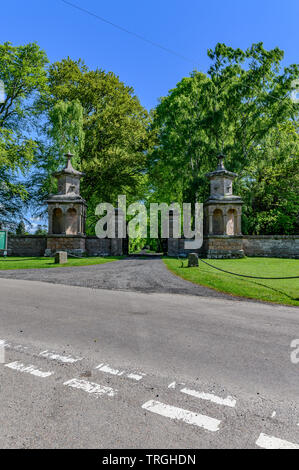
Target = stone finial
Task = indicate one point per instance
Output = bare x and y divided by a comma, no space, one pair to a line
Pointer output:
221,170
221,158
69,157
69,167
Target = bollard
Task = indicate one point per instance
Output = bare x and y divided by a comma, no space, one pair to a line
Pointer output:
61,257
192,260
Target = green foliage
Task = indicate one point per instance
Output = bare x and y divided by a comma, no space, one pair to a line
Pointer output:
107,113
41,230
21,229
136,244
271,189
241,107
235,109
22,70
66,129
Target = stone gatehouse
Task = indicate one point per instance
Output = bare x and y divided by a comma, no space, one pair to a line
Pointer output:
222,225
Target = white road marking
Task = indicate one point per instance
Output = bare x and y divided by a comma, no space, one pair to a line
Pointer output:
47,354
271,442
28,369
172,412
135,376
15,347
90,387
228,401
109,370
174,384
58,357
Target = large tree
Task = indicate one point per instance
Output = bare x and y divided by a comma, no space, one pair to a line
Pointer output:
236,109
115,127
23,74
271,187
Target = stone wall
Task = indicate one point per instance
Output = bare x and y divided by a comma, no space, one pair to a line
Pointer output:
176,246
36,245
98,246
275,246
223,246
72,243
26,245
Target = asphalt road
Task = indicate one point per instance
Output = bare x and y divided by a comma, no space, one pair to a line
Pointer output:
131,274
98,368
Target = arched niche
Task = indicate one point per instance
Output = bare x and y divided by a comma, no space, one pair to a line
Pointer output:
71,222
231,224
57,221
218,226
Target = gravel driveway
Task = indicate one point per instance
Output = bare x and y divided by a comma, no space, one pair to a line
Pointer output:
131,274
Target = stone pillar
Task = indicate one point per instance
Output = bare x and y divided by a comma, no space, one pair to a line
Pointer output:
225,221
68,197
217,245
50,218
210,222
239,221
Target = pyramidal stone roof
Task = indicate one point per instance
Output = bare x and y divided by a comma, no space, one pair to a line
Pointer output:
221,170
69,170
67,193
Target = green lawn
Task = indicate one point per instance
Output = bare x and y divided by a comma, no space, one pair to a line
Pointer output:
12,262
278,291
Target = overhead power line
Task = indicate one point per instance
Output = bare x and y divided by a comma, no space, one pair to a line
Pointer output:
142,38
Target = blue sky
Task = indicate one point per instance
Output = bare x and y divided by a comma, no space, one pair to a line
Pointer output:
189,28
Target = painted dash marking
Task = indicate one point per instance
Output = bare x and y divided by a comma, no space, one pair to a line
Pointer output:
136,376
90,387
228,401
109,370
15,347
189,417
174,384
59,357
28,369
271,442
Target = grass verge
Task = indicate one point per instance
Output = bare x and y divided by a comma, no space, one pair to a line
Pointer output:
12,262
277,291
